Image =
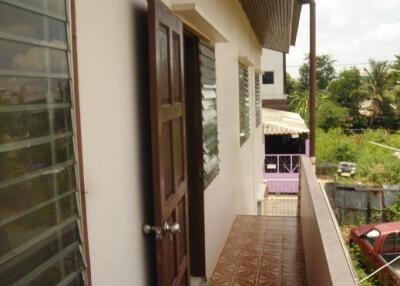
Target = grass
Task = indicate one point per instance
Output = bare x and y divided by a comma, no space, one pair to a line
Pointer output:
375,165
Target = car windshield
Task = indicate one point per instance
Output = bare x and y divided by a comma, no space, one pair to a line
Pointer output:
347,165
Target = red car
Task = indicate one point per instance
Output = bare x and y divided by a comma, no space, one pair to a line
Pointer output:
380,244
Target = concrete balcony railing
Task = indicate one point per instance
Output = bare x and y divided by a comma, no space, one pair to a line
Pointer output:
326,259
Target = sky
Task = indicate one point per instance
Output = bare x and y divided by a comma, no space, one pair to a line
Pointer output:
352,31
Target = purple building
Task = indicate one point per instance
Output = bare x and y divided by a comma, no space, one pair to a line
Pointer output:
286,139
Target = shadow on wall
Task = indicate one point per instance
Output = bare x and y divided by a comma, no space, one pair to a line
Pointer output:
142,108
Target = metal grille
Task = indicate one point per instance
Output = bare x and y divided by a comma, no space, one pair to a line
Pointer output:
282,164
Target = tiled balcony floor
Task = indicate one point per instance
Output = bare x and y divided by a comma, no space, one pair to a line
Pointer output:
262,250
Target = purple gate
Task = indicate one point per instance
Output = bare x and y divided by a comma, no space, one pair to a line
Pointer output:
281,173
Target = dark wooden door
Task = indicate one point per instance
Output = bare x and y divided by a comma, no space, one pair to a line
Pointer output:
168,144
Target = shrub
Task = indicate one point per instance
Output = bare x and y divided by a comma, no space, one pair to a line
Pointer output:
345,152
332,116
361,271
392,213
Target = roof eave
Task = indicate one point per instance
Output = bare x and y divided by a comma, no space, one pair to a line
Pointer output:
295,21
275,22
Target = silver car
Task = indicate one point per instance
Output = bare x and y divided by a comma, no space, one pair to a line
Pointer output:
347,169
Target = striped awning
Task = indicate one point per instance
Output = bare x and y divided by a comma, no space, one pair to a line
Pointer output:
277,122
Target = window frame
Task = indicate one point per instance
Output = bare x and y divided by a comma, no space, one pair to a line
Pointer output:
396,238
203,44
244,103
258,101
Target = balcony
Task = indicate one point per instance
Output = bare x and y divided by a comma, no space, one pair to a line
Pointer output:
306,249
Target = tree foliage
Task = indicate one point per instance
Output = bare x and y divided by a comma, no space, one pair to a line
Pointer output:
325,72
342,87
378,74
396,64
291,84
380,98
371,100
392,213
332,115
299,102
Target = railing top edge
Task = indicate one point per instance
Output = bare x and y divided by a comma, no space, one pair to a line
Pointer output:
325,224
274,155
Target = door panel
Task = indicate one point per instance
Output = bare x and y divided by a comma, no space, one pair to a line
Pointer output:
176,67
178,154
166,160
168,143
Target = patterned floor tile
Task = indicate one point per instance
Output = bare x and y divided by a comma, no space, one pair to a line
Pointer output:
261,251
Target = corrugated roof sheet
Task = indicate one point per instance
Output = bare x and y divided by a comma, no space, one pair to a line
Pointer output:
277,122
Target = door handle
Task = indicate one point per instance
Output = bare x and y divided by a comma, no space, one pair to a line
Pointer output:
172,228
148,229
167,228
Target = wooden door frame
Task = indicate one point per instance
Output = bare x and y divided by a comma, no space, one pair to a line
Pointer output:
78,130
168,141
195,162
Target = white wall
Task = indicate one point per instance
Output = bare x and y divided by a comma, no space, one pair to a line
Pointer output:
112,74
111,79
273,61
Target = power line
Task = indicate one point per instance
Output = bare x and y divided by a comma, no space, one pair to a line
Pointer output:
342,65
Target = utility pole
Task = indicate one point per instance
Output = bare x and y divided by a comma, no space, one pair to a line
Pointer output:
312,76
313,79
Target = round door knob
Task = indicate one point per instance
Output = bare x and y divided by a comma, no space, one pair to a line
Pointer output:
172,228
175,228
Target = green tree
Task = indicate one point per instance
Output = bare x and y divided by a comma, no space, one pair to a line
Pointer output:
393,92
394,74
349,90
357,96
331,115
378,75
291,84
341,88
396,64
299,102
325,72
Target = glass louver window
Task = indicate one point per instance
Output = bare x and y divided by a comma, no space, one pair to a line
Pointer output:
209,112
244,103
40,230
258,100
